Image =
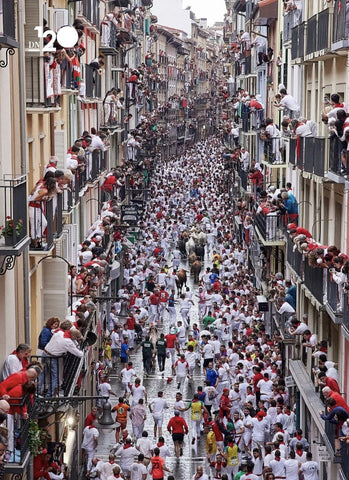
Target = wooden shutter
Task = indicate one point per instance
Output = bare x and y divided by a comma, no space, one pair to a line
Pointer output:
55,288
61,148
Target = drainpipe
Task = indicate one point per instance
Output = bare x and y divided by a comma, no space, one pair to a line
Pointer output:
23,136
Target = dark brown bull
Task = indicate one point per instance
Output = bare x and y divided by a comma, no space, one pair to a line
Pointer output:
195,270
182,280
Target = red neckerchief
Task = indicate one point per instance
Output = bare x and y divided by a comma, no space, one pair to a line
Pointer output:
299,437
160,444
338,105
66,333
277,459
128,368
299,452
127,445
91,426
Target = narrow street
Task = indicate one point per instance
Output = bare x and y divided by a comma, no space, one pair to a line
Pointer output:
192,454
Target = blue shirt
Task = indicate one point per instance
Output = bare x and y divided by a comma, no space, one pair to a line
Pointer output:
124,348
211,376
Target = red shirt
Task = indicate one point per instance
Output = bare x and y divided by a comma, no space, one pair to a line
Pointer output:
255,380
177,425
12,381
131,322
164,296
331,382
154,299
340,402
90,419
171,340
157,470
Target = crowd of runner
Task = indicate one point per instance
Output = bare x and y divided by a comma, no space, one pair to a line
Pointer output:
242,410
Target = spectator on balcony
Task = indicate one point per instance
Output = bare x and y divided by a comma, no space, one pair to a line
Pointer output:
309,339
16,361
272,137
285,100
340,402
46,333
297,327
335,106
281,306
52,165
98,140
325,381
30,374
301,128
291,205
63,341
43,191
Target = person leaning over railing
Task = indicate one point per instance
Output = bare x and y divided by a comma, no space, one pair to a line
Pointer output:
64,340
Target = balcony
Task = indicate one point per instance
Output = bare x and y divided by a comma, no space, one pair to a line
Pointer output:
291,20
89,13
314,404
270,227
318,33
8,25
295,259
340,27
336,169
239,6
297,45
283,324
13,216
93,83
109,42
243,176
40,92
46,223
69,372
310,154
314,281
272,153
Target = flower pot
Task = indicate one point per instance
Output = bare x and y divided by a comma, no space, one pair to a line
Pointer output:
9,240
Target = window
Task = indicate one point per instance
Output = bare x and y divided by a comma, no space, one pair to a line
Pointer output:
7,23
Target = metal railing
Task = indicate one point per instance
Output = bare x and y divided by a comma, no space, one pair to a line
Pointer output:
314,281
297,46
91,11
318,32
335,163
294,258
92,82
37,72
340,22
7,20
13,214
274,153
291,20
310,154
108,36
46,222
270,226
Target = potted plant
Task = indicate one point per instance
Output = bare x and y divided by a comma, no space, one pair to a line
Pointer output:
11,231
36,437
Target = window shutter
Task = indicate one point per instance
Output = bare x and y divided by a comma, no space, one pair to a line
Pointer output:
33,18
55,288
61,148
60,18
72,243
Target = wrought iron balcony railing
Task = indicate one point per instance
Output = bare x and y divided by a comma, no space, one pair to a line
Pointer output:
46,222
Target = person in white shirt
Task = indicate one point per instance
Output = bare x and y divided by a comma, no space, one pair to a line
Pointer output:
13,362
145,446
157,408
164,450
278,465
138,391
127,454
106,468
290,103
266,388
126,377
310,469
90,442
138,470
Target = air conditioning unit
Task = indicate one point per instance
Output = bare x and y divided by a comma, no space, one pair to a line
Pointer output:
263,305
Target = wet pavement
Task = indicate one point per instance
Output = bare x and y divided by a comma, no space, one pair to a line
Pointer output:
185,466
